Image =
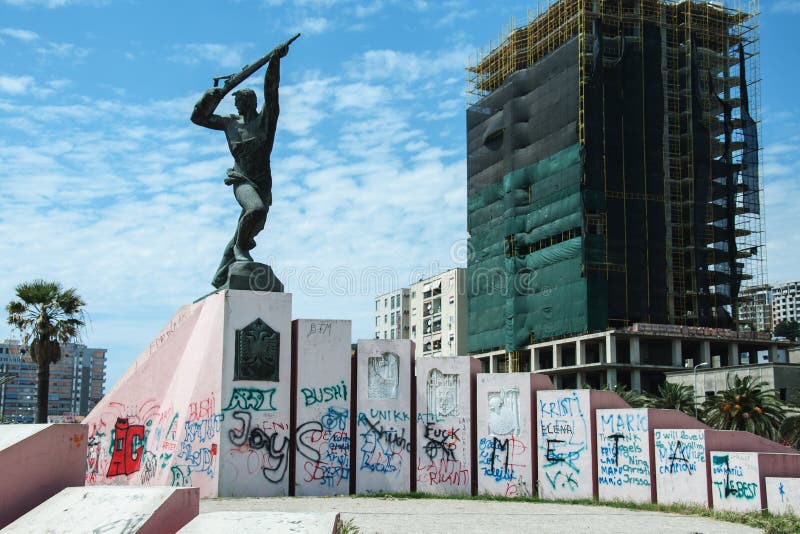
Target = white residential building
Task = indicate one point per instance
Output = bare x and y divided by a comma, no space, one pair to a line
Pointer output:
755,308
432,313
439,314
785,302
391,315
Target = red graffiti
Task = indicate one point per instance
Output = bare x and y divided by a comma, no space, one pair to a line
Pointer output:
128,443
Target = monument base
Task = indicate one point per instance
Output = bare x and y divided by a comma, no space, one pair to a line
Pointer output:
252,276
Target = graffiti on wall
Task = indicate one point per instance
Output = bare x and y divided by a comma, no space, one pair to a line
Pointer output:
503,456
735,481
258,442
324,446
385,445
150,444
623,454
680,466
564,456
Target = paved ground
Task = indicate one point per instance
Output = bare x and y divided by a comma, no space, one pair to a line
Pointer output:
388,515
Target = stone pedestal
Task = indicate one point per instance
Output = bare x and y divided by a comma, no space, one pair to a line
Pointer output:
384,452
207,404
256,395
446,460
321,355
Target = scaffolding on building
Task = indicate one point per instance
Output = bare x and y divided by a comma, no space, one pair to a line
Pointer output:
712,194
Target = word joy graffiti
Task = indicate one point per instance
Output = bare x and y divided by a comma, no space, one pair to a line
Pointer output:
274,449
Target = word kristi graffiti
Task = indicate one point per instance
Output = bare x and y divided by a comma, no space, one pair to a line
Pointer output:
325,446
563,444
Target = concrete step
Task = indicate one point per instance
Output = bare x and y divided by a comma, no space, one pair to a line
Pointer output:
36,462
145,510
243,522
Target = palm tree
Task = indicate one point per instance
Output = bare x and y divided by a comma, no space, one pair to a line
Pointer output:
47,317
635,400
745,405
674,397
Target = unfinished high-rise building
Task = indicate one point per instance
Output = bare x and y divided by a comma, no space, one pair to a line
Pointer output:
613,170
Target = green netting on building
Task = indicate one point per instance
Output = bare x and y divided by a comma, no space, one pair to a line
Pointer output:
525,278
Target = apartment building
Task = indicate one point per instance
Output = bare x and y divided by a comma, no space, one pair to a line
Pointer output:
391,315
785,303
76,382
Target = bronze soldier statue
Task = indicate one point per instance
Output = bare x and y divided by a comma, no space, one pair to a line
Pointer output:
250,136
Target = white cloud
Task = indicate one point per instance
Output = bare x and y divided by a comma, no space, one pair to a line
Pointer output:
22,35
15,85
223,55
53,4
786,6
312,25
61,51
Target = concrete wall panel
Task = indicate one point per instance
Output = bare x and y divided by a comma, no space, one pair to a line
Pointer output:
680,466
256,447
446,459
384,449
735,482
321,354
505,432
783,495
623,455
38,461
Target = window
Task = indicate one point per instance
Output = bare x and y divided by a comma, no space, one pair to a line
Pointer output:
385,319
377,321
392,334
385,302
377,303
393,319
384,335
392,301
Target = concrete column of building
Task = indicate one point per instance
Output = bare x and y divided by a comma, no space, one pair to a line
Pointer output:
677,353
636,380
580,352
611,378
636,355
580,379
705,353
536,363
556,379
557,363
611,349
773,353
733,354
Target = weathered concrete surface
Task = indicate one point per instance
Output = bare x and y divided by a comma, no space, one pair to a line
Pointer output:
384,453
323,395
425,516
36,462
446,459
290,522
156,510
783,495
506,434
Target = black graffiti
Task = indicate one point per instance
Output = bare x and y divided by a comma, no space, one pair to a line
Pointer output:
390,436
550,453
678,455
502,446
616,438
304,449
258,440
442,440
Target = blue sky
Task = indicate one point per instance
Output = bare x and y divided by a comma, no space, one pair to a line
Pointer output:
106,186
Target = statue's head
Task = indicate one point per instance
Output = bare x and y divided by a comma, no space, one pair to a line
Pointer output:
245,100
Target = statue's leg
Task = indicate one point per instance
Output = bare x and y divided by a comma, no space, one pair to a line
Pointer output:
251,222
227,259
